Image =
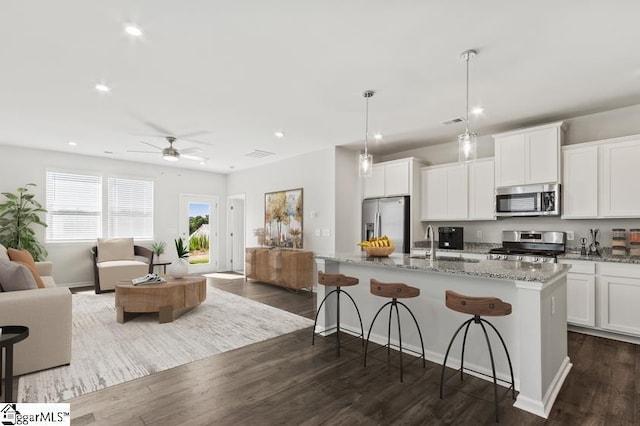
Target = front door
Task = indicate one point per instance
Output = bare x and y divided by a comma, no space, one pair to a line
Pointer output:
199,229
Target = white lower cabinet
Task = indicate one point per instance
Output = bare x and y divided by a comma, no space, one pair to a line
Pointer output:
581,293
581,302
604,296
619,295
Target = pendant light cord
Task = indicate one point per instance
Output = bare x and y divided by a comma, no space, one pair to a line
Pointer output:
366,127
367,94
467,121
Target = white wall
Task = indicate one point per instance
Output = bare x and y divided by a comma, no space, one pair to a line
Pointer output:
314,173
348,190
587,128
603,125
72,262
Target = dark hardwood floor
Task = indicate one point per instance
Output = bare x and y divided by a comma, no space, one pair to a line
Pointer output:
285,380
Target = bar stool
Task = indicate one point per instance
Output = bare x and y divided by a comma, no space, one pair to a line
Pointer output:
395,291
477,306
338,281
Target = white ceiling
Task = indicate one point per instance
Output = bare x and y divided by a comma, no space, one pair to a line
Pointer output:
239,70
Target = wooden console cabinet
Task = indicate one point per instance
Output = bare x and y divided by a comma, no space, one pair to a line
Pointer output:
284,267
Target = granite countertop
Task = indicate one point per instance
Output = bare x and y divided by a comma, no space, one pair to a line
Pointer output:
495,269
572,253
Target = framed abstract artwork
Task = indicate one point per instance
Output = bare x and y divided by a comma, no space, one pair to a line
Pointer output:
283,218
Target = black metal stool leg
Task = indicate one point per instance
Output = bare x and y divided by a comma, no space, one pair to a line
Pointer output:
395,305
464,345
366,346
493,369
389,330
338,322
424,364
444,363
513,383
315,322
359,317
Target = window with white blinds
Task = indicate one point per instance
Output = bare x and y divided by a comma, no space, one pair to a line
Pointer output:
130,208
74,207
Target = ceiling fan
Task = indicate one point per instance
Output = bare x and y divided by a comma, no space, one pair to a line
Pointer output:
170,153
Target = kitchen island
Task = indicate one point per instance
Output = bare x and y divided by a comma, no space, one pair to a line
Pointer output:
535,333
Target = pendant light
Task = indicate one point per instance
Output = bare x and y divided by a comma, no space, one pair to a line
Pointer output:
366,159
467,142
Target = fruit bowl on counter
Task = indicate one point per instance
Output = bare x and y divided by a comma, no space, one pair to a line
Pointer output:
378,246
379,251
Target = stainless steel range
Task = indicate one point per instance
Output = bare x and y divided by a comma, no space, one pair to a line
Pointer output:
530,246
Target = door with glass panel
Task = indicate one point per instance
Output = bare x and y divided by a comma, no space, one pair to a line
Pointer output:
199,231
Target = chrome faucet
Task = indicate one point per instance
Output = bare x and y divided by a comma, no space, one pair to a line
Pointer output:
429,236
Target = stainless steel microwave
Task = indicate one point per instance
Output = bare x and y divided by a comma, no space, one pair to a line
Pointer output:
528,200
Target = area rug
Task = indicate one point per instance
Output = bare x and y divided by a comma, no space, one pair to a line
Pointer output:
106,353
225,275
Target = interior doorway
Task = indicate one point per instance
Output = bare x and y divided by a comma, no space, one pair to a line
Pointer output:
199,230
236,233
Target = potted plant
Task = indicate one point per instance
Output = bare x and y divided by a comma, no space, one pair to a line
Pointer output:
180,267
17,214
158,247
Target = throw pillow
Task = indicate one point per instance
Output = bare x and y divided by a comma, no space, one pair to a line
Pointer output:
3,253
15,277
115,249
23,257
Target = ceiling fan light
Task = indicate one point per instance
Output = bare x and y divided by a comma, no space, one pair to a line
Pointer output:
170,157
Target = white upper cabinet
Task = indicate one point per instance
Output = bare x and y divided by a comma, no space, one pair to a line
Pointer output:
579,182
388,179
458,191
620,165
482,190
600,179
373,186
528,156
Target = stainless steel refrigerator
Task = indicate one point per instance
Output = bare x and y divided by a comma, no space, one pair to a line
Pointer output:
387,216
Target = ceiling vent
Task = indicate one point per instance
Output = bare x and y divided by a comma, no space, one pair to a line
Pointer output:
259,154
453,121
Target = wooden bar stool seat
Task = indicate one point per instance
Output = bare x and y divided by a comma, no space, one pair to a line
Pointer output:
478,307
338,281
394,291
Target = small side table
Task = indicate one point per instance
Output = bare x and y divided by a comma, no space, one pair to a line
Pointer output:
11,334
163,264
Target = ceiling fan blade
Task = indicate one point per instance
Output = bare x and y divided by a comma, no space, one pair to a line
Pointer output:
197,141
150,144
193,157
158,128
190,150
145,152
191,134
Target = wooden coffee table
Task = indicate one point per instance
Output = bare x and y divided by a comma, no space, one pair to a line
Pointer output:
170,299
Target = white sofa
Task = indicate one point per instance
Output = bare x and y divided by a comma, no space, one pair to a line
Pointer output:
47,313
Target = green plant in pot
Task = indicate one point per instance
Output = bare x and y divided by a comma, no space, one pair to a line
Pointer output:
158,248
17,215
180,267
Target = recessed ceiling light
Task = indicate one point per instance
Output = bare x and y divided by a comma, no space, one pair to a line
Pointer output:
477,111
101,87
202,163
72,143
133,30
378,136
278,134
